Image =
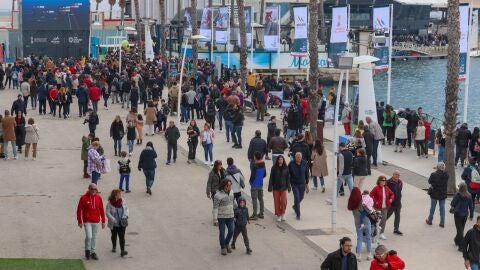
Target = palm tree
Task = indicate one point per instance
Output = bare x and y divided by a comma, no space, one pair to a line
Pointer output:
451,90
111,3
122,4
138,25
163,44
193,11
313,97
98,3
243,43
323,30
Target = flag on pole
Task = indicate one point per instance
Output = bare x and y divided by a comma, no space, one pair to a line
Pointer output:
206,24
381,25
464,33
300,43
339,31
221,30
272,20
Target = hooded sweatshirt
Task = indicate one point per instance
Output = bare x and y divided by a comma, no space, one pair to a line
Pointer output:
90,209
236,176
258,173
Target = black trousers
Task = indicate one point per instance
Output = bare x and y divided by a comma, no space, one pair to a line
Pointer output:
42,107
85,166
192,149
243,230
172,147
460,226
120,231
395,209
191,110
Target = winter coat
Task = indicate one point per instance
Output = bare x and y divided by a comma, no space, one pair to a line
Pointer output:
236,176
360,166
112,216
471,245
394,262
439,182
377,196
298,172
277,145
90,209
319,164
85,145
259,172
334,261
396,187
20,131
117,131
257,144
31,134
401,130
150,116
241,216
302,147
463,136
8,124
147,159
94,93
279,179
213,182
369,140
82,95
463,205
172,134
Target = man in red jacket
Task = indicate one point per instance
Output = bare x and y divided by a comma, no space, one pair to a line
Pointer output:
386,260
89,213
94,95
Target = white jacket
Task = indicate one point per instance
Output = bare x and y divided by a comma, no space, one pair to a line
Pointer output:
401,130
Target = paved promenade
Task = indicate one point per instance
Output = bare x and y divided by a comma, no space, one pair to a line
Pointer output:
172,229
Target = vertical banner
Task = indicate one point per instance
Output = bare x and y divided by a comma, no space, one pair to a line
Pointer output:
1,53
272,20
248,27
474,29
339,31
221,30
149,54
206,24
300,43
381,25
464,29
187,17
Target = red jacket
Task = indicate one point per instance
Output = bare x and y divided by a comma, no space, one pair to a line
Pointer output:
94,93
90,209
53,94
394,263
377,196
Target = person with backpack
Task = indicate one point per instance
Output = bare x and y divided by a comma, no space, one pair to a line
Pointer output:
124,170
211,112
471,176
92,120
234,174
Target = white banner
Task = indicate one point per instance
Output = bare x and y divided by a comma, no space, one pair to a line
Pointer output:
340,26
272,24
187,16
248,27
381,19
149,54
206,24
221,31
464,16
300,43
474,38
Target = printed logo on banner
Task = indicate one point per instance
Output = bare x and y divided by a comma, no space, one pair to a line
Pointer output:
75,40
55,40
37,40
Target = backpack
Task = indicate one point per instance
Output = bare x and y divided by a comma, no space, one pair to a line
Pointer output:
124,168
475,178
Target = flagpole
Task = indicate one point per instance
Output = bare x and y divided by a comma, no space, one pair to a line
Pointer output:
211,34
347,77
467,69
228,41
252,11
390,48
278,45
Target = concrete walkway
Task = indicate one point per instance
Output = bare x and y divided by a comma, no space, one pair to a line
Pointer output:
172,229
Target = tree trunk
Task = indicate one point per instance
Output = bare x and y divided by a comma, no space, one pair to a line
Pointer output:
193,10
262,9
232,13
243,43
110,14
323,30
139,27
163,40
313,97
451,90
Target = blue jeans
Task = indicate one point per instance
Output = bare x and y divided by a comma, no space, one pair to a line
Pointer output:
130,146
315,182
375,152
125,177
433,205
208,150
184,114
474,266
220,119
222,224
290,134
149,178
298,193
441,153
117,146
95,177
228,129
348,179
91,236
237,135
14,148
367,226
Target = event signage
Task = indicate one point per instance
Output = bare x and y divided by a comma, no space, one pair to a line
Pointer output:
248,27
300,43
187,17
339,31
272,27
464,29
381,25
206,24
222,21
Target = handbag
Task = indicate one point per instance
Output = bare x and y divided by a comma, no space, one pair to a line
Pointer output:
452,210
430,191
124,221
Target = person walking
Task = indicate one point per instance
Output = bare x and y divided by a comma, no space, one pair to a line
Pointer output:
82,99
342,259
462,207
438,181
223,214
382,200
42,98
419,136
117,215
299,178
471,247
207,136
172,134
95,161
319,165
257,144
117,131
378,136
25,91
360,170
139,126
347,118
94,95
214,177
401,134
236,176
396,186
19,131
237,122
241,221
148,165
386,260
150,118
124,170
345,166
388,123
277,145
362,222
192,132
279,184
31,139
90,212
462,139
257,174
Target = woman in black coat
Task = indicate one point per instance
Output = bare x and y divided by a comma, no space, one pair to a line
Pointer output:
279,183
19,130
360,168
438,193
117,132
148,165
193,132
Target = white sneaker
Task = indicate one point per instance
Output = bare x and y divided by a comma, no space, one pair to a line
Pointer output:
26,158
284,218
34,159
383,237
359,257
206,162
369,257
211,163
279,219
15,158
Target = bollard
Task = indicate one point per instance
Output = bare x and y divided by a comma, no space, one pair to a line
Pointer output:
320,130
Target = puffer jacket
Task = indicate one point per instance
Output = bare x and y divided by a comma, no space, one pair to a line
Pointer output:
279,179
401,130
471,245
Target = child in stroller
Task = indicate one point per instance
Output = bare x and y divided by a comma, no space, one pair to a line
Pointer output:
372,214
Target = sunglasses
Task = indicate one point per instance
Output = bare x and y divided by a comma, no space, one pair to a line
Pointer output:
383,180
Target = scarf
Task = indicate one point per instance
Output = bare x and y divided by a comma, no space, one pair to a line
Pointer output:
116,203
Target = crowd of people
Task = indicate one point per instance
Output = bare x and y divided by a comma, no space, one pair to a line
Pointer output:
432,39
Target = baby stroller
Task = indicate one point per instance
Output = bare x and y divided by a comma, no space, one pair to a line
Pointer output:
375,217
